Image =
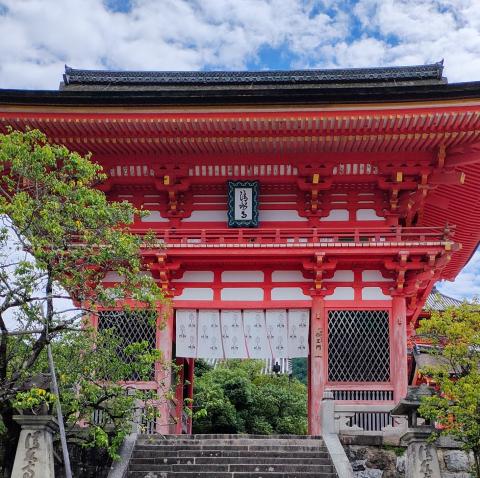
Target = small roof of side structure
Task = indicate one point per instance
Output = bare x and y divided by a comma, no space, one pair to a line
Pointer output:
438,301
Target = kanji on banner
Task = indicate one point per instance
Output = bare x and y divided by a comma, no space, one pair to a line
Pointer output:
232,334
298,326
277,332
186,344
209,334
258,334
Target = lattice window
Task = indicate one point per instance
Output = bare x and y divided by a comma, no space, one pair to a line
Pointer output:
130,327
358,346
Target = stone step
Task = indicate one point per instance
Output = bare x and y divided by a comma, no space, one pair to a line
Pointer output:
284,447
323,460
229,442
251,468
230,456
227,453
226,436
209,474
156,440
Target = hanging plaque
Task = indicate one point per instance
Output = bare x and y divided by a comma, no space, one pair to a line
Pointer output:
243,203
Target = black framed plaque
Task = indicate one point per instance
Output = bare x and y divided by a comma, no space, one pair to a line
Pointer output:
243,203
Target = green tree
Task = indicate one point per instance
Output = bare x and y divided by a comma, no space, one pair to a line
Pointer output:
300,369
455,408
236,397
59,236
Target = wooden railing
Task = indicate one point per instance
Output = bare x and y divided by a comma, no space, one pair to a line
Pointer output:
301,236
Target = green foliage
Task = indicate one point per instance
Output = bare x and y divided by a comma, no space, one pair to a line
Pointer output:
455,408
201,366
59,238
90,374
33,399
236,398
300,369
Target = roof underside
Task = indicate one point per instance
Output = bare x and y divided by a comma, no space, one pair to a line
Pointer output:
98,79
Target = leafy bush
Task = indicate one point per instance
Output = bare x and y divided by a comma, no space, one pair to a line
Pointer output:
236,398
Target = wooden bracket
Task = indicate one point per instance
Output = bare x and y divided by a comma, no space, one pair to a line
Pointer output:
319,265
175,189
162,269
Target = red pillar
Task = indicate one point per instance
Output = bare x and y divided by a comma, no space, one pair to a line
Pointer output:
316,364
163,371
190,378
398,347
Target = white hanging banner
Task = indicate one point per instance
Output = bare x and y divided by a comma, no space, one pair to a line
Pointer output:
209,334
256,334
186,333
277,332
233,338
298,327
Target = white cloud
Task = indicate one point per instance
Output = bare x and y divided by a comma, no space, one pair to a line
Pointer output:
39,36
467,283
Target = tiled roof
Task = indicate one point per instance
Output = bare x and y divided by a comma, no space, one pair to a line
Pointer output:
439,301
432,72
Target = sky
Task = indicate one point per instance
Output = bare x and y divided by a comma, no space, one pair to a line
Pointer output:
38,37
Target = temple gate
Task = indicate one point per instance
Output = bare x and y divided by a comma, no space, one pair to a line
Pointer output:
298,214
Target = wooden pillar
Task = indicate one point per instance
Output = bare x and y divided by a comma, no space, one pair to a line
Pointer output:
190,378
398,347
316,364
163,370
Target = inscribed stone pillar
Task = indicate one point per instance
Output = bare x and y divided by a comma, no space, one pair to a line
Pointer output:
422,458
34,456
316,365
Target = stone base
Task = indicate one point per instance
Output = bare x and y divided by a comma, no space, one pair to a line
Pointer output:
34,456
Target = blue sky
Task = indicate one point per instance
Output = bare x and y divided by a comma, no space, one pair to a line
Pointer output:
38,37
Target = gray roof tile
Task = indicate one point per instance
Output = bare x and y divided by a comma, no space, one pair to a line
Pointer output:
380,74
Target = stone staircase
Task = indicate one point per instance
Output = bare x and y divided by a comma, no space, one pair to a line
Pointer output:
230,456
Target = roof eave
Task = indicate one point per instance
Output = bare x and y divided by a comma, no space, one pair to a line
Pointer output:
244,96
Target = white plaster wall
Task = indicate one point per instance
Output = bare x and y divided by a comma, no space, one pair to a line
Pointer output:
289,293
288,276
336,215
374,276
195,276
341,276
341,293
145,273
368,215
207,216
154,216
195,293
242,293
374,293
243,276
280,215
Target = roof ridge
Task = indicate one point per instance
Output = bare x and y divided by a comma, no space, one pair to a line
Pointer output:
431,71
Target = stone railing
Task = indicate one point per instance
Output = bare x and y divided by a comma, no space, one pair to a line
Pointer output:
373,420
